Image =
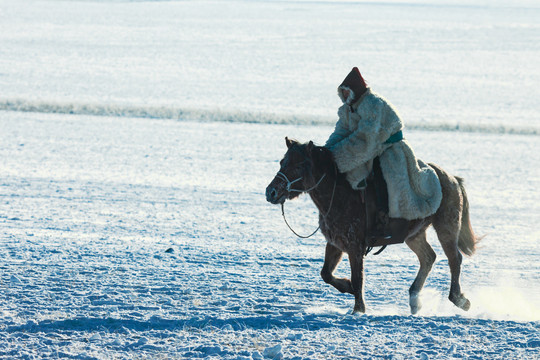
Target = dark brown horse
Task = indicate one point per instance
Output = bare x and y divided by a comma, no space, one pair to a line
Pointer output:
343,213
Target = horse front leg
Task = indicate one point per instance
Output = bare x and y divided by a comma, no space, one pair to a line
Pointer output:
426,257
356,259
332,258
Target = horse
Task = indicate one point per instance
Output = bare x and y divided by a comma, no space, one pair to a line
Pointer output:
345,218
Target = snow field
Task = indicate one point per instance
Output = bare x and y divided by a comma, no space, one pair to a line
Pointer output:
139,238
444,64
128,237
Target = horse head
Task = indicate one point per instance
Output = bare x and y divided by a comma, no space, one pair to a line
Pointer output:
299,171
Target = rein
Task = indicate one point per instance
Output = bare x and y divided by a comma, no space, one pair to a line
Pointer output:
289,183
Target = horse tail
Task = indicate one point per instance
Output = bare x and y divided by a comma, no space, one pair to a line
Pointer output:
467,238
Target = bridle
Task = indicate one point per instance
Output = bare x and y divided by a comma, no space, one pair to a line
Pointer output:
289,189
289,183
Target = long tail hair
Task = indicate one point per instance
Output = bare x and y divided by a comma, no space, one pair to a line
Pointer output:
467,238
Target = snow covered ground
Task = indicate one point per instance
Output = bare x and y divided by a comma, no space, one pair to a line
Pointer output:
444,63
144,232
140,238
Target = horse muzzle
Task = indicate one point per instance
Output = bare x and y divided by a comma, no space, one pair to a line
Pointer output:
273,195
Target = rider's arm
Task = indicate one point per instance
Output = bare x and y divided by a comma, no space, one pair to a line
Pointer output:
341,131
363,144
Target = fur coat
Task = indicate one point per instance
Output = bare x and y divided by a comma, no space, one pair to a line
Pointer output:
360,135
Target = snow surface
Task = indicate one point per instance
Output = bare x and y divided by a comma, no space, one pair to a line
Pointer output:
126,238
144,232
445,64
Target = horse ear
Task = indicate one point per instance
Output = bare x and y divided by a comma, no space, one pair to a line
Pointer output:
310,146
289,142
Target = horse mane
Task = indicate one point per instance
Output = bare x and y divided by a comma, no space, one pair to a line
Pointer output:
321,157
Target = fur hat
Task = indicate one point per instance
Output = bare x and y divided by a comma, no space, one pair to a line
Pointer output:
355,84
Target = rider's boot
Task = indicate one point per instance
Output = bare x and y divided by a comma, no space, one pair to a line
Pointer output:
380,228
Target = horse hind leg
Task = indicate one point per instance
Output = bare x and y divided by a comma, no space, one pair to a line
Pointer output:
448,225
332,258
448,236
426,256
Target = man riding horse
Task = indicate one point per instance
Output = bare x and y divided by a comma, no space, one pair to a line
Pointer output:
368,149
368,141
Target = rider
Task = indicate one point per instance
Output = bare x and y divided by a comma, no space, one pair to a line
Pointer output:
368,133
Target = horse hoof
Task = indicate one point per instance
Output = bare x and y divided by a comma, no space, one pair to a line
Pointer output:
358,310
465,304
461,302
415,303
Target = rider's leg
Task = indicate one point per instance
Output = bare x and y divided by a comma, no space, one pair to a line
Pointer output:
385,227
